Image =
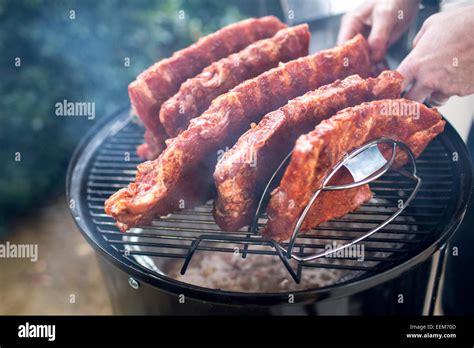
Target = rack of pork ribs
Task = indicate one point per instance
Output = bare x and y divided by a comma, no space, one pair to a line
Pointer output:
252,88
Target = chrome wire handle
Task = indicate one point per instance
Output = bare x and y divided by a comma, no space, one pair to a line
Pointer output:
288,252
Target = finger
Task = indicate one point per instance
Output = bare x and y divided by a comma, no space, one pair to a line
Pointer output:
401,27
350,26
396,33
418,35
383,23
408,70
418,92
354,22
438,98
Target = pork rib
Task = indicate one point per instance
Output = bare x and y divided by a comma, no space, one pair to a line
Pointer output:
158,188
244,170
152,146
163,79
196,94
317,152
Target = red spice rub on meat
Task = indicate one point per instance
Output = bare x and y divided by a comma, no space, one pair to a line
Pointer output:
159,186
163,79
245,169
196,94
152,147
318,151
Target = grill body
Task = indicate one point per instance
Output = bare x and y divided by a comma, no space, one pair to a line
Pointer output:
405,259
383,299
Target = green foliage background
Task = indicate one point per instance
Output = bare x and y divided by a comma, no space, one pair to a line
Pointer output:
79,59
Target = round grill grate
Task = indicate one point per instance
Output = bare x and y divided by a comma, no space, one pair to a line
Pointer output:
106,161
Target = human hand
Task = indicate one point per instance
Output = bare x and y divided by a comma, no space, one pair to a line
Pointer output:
441,63
383,21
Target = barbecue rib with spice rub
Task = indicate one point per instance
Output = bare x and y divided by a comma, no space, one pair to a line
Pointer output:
196,94
158,188
246,168
317,152
163,79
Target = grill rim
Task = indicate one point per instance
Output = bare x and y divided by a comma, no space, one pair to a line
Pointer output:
98,132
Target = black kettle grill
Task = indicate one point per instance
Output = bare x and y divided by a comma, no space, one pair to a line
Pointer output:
235,273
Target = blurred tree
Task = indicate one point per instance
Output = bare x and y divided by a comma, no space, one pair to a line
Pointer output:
76,50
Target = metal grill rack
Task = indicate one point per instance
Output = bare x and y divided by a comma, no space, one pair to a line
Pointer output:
107,162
